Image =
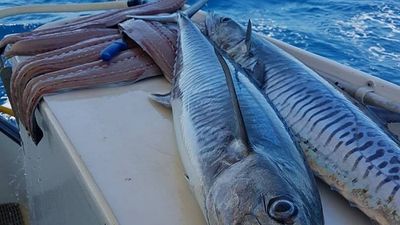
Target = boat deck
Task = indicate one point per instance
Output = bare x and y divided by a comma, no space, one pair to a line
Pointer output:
109,156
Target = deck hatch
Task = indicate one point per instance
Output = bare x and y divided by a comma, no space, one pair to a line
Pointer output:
10,214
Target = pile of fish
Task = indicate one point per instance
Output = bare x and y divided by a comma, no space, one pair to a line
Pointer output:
239,159
250,120
68,56
343,146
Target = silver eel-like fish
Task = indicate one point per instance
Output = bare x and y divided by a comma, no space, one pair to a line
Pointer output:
240,162
343,146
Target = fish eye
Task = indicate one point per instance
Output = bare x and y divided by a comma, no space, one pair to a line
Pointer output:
282,210
225,19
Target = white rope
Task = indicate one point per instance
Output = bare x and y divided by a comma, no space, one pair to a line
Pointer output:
51,8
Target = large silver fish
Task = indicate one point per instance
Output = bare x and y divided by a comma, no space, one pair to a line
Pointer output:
239,159
342,145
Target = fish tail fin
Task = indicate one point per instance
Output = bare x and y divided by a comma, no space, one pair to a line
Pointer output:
189,12
171,18
240,124
193,9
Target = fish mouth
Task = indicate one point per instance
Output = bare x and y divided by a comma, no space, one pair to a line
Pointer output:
254,220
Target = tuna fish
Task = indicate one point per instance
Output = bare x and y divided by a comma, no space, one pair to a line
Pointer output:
343,146
239,159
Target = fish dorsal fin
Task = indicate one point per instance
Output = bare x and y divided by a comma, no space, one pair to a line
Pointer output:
163,99
240,125
248,36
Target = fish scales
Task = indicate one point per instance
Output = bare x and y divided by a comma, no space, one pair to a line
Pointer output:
343,146
326,125
195,99
268,131
203,95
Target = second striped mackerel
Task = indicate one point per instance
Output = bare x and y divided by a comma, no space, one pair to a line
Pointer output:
343,146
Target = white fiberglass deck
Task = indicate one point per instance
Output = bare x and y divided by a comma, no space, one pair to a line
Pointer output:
109,156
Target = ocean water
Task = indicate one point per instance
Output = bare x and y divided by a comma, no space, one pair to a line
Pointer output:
364,34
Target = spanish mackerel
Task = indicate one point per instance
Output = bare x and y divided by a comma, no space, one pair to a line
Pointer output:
239,174
343,146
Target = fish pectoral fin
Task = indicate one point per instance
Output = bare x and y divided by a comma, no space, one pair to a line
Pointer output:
248,36
163,99
241,132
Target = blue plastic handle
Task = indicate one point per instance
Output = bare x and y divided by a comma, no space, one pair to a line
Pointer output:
113,49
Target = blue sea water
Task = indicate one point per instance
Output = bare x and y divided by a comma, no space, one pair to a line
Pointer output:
364,34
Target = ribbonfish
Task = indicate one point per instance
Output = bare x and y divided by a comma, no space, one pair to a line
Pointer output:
74,31
239,160
342,145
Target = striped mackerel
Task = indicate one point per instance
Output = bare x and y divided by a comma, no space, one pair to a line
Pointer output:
343,146
240,175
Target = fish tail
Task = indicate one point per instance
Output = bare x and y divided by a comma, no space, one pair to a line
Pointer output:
189,12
